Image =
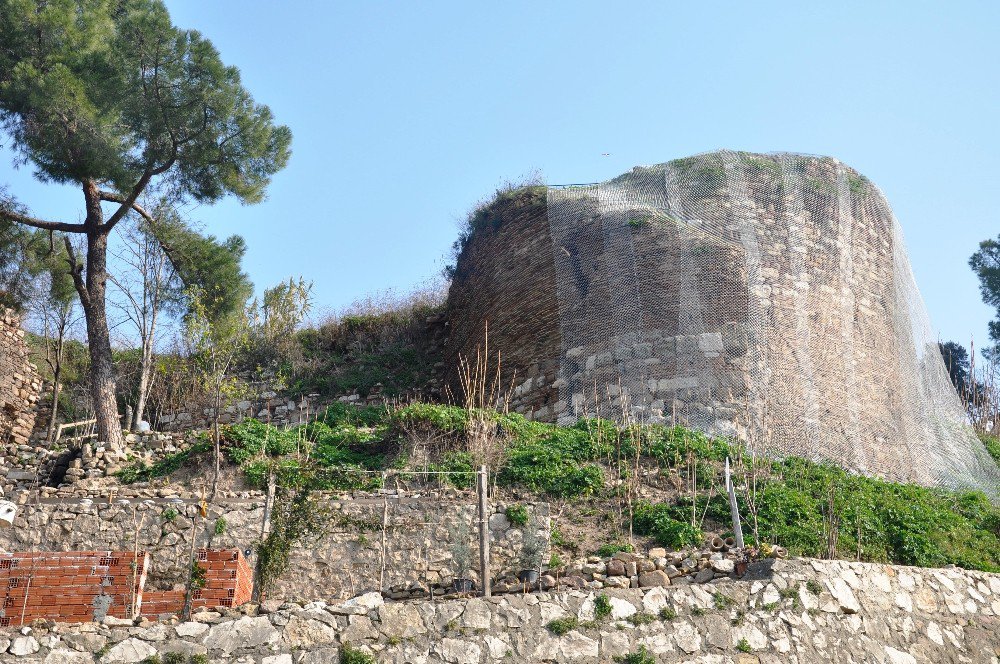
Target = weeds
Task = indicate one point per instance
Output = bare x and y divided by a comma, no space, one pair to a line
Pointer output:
643,656
517,515
602,607
561,626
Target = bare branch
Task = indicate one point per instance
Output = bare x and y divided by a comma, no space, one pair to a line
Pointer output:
115,198
76,270
40,223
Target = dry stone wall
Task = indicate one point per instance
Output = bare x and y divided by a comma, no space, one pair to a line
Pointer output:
19,385
423,537
787,611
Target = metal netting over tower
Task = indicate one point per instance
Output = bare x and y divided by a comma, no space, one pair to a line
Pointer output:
764,294
749,295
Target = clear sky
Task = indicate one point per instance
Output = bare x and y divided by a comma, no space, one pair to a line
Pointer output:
406,113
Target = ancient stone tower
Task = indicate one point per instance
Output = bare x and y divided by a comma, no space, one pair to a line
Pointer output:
764,296
19,383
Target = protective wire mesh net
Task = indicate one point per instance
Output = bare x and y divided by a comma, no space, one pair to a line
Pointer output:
766,297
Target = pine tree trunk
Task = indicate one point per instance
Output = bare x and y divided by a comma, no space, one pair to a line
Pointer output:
92,295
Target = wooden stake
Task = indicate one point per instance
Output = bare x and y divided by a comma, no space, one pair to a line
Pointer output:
482,479
737,526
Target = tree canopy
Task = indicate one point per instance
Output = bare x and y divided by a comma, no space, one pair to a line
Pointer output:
986,264
111,91
109,95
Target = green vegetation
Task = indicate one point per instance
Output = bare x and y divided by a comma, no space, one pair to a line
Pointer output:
561,626
602,607
198,575
351,655
877,521
722,602
380,345
165,466
744,646
643,656
668,613
992,444
666,523
703,173
517,515
858,184
510,200
297,518
641,618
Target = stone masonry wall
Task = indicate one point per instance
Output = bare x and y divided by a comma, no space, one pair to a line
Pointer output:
787,611
727,292
19,385
421,541
504,284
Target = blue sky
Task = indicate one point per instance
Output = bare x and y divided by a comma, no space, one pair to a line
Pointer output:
405,114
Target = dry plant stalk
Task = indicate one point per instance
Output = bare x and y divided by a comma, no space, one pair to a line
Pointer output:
630,480
482,396
751,465
981,394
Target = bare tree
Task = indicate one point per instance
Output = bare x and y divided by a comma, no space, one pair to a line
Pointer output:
58,319
143,283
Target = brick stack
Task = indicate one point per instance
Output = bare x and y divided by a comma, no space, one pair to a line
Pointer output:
228,582
85,586
73,586
19,383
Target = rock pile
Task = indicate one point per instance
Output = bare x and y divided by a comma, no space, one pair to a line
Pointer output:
658,568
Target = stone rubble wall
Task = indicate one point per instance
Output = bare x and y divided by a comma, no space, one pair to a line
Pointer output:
20,386
801,611
421,540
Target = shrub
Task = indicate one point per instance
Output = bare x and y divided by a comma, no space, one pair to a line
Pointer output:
561,626
351,655
668,613
517,515
165,466
602,607
659,521
641,618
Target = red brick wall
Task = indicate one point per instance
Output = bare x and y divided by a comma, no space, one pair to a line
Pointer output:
66,586
228,582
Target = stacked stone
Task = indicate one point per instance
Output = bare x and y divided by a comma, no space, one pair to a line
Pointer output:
787,610
53,471
19,387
